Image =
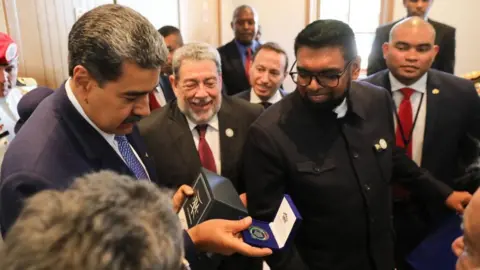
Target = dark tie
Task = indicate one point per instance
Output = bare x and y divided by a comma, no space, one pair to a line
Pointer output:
204,151
248,62
403,136
130,159
265,104
153,102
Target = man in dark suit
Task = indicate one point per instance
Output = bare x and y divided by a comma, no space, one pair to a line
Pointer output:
330,146
237,55
445,39
88,124
268,71
163,92
409,55
201,127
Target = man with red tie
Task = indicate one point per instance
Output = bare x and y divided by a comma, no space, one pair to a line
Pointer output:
237,55
201,128
436,116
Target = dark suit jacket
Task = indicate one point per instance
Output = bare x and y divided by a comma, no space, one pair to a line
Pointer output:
445,39
170,142
246,94
166,88
448,148
54,147
233,72
335,176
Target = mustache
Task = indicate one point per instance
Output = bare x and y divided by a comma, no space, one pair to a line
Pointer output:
132,119
201,101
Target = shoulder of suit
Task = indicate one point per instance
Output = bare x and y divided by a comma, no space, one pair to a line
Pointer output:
376,78
244,105
26,84
152,122
367,87
443,26
243,94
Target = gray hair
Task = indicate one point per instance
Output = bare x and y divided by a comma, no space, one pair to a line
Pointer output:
107,36
105,221
196,51
242,8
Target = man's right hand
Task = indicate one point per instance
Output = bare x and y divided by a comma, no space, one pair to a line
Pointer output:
223,237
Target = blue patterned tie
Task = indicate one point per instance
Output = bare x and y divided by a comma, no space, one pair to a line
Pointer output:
132,161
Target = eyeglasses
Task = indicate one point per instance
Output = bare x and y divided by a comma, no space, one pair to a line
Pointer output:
304,79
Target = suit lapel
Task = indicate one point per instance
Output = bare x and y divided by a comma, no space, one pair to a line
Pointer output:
433,107
182,138
166,88
228,130
236,60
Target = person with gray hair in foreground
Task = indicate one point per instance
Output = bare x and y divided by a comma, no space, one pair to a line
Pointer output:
104,221
89,124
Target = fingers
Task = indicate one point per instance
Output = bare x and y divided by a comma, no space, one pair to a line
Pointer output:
458,246
179,196
247,250
239,225
243,198
187,190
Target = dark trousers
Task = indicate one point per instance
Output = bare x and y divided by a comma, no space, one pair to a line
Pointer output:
411,227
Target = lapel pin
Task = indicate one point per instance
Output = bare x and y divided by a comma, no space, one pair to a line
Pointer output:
229,132
435,91
383,144
377,147
146,155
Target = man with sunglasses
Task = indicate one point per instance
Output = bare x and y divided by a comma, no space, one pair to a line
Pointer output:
437,139
330,146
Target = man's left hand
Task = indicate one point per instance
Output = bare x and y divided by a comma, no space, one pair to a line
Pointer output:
458,200
179,197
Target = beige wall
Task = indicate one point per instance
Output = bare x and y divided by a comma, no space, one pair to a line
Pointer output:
41,30
463,16
199,20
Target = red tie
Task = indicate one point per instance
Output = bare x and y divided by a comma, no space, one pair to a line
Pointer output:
204,151
248,62
406,121
405,116
153,102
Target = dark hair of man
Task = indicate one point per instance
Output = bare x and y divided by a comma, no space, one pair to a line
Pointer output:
168,30
272,46
106,37
328,33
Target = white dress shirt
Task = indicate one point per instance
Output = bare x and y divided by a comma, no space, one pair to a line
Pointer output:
213,139
420,88
272,100
110,138
160,96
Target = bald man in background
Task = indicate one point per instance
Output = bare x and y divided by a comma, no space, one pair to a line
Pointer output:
445,39
436,115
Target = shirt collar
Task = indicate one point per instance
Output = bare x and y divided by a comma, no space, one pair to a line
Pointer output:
243,48
213,123
254,98
341,110
420,85
110,138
